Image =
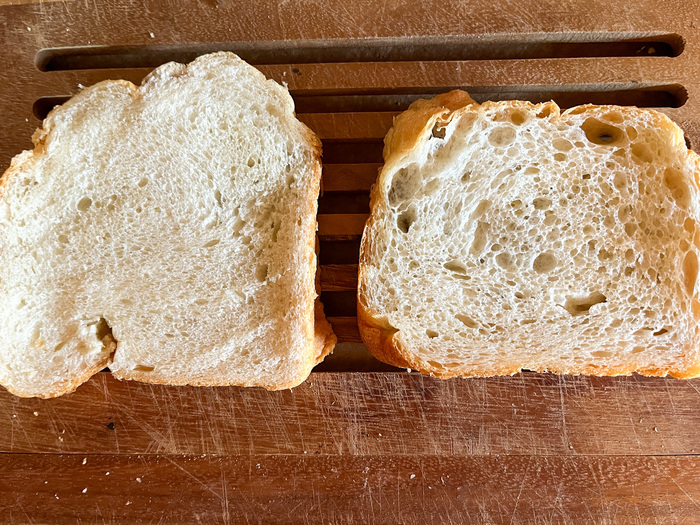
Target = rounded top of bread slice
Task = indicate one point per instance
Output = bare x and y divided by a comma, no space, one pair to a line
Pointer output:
509,235
166,231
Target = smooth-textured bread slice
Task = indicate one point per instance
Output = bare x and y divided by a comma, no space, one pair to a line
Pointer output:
508,236
164,231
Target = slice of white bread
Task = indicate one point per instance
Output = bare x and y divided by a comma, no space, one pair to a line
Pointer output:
165,231
508,236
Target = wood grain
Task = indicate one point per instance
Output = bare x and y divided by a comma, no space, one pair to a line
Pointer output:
320,488
346,329
380,414
349,177
339,277
341,226
368,447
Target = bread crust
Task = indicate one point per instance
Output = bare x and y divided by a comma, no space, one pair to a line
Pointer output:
409,131
318,333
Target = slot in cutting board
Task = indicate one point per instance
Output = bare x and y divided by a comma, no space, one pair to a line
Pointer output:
358,445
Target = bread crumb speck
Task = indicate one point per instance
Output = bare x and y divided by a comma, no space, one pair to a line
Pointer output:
36,413
138,480
106,473
412,476
84,461
151,35
84,490
656,429
128,503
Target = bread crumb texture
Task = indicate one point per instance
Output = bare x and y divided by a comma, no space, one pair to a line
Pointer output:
508,236
165,231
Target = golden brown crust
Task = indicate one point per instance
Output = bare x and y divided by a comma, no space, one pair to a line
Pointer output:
68,387
324,336
418,120
410,129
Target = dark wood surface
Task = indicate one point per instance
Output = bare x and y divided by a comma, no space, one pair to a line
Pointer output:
357,448
359,442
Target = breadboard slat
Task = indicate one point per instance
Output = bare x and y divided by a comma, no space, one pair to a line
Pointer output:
331,489
339,277
341,226
349,177
529,414
345,329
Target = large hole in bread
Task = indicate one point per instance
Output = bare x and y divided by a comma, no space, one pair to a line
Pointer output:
544,263
261,272
674,181
581,305
467,321
480,237
690,272
404,185
502,136
601,133
84,204
517,116
406,219
438,131
456,267
542,203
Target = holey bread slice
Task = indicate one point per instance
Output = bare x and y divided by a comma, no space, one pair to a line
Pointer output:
508,236
164,231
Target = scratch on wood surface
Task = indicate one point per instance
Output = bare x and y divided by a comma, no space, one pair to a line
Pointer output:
692,385
520,492
204,485
224,500
687,494
26,514
565,435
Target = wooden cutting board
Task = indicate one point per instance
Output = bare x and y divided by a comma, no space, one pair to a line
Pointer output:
359,441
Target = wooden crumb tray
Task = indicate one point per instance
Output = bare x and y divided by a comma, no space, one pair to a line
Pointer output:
359,442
